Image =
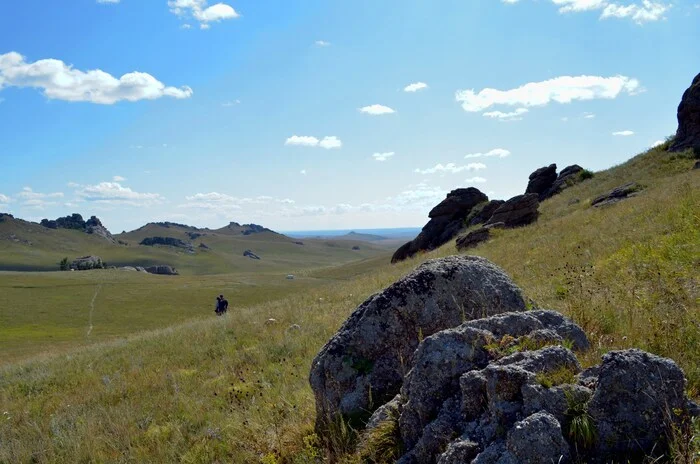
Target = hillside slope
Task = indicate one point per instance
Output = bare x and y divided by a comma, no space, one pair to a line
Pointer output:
235,389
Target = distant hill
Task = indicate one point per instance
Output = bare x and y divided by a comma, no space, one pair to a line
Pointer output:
361,237
30,246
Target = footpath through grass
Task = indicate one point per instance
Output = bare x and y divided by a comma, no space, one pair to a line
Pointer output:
235,389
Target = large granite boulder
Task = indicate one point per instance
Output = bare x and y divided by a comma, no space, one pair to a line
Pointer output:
518,211
542,180
447,219
570,175
363,365
617,194
473,238
482,213
161,270
688,133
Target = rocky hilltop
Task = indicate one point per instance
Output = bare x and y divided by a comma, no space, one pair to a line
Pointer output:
467,207
688,133
448,365
75,222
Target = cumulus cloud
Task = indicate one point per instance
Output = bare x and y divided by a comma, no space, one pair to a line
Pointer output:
376,110
200,11
415,87
653,145
4,200
322,43
451,168
223,203
60,81
496,152
328,142
510,116
31,199
624,133
475,180
383,156
588,115
113,193
639,12
563,89
118,179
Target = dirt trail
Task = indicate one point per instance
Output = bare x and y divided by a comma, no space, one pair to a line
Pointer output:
92,308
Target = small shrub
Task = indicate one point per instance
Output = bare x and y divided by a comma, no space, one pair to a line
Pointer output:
64,265
382,445
586,174
581,431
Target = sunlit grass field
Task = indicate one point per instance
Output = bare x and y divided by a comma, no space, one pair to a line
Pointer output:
235,389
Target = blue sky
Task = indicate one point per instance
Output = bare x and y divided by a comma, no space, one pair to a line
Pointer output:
323,114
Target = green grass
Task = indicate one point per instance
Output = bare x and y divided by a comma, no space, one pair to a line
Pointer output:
233,389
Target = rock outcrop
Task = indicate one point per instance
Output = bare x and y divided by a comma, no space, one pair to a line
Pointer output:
447,219
502,389
569,176
75,222
167,241
688,133
518,211
87,263
363,365
616,194
473,238
542,180
250,254
482,213
94,226
161,270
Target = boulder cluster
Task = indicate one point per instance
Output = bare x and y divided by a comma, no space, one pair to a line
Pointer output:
451,357
168,241
75,221
468,207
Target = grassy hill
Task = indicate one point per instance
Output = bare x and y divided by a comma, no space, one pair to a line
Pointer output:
26,246
235,389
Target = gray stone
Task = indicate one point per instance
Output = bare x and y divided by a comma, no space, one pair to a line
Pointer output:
482,213
87,263
473,238
553,400
569,176
617,194
518,211
688,133
633,400
250,254
538,439
372,351
162,270
459,452
542,180
391,410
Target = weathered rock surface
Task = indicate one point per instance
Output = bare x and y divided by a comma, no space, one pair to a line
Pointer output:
696,165
75,222
542,180
688,133
616,194
161,270
518,211
250,254
482,213
446,221
87,263
94,226
370,354
167,241
473,238
570,175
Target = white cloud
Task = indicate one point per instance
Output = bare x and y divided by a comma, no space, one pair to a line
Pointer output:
114,193
4,200
653,145
511,116
588,115
496,152
475,180
231,103
383,156
199,10
330,142
624,133
60,81
327,142
639,12
118,179
302,172
563,89
31,199
223,203
415,87
451,168
376,110
420,196
186,26
322,43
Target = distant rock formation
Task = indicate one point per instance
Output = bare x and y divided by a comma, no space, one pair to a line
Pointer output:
87,263
75,222
483,212
161,270
5,216
250,254
617,194
542,180
688,133
447,219
355,248
518,211
167,241
203,246
449,358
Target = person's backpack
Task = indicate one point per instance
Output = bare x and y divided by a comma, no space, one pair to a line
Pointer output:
224,305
